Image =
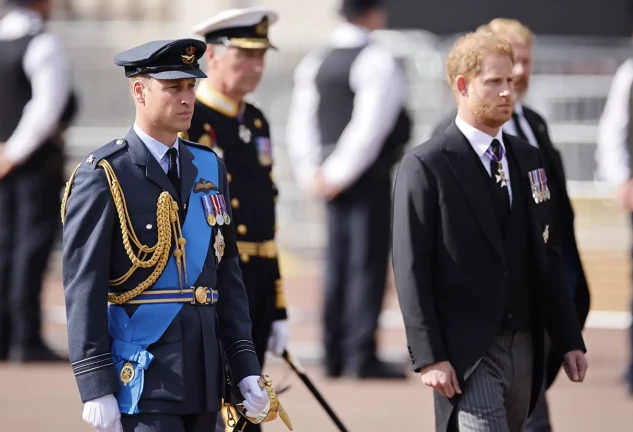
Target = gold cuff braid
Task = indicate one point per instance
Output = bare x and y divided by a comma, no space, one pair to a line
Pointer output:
167,221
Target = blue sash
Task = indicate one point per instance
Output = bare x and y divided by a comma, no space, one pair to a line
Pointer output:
132,336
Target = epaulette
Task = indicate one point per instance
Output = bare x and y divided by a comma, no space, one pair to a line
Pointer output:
103,152
258,110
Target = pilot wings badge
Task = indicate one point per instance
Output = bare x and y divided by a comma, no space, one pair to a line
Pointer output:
190,57
204,186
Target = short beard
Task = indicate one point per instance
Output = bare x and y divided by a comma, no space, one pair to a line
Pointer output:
484,113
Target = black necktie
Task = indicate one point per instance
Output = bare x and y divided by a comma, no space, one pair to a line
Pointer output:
517,125
172,172
500,194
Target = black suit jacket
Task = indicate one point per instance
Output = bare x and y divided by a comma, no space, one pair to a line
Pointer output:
449,262
187,373
563,219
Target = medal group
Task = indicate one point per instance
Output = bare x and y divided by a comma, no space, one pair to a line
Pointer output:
538,183
215,210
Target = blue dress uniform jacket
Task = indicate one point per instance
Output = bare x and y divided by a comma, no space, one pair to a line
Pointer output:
187,373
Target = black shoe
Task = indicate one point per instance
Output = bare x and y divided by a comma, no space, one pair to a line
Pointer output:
332,369
333,373
377,369
36,354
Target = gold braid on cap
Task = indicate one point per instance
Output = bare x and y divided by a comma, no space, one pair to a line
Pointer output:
168,222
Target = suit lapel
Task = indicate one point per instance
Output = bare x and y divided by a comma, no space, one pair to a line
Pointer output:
462,160
142,157
188,171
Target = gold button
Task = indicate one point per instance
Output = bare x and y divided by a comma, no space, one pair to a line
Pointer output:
229,177
235,203
241,229
245,258
270,174
275,228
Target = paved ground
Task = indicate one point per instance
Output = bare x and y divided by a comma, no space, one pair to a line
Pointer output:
42,398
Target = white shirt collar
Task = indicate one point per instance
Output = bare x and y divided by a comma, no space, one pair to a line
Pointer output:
349,35
518,108
479,140
155,147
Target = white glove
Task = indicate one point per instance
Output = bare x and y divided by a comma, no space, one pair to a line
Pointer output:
103,414
279,335
255,398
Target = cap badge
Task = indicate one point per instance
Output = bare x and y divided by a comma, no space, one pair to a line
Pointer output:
189,58
261,29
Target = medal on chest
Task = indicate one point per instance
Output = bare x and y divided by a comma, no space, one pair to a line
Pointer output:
538,183
264,151
501,178
245,134
218,245
215,211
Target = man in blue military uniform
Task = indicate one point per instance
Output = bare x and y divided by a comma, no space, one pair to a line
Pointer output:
138,219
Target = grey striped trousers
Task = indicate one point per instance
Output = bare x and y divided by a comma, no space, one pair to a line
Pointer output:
496,394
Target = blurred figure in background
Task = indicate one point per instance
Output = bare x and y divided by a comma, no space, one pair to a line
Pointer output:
36,106
347,128
530,126
237,42
613,156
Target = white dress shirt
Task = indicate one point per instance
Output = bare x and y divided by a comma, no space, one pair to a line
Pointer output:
380,92
480,142
510,129
48,69
158,149
612,153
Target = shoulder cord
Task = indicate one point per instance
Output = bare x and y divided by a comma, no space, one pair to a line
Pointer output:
167,221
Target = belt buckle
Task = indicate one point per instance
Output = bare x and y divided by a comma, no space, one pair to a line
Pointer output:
200,296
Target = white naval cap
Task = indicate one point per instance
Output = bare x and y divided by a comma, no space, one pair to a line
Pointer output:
242,28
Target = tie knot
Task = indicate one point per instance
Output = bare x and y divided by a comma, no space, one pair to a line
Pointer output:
495,146
172,154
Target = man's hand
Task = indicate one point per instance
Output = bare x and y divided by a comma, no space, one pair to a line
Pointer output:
103,414
575,365
255,398
625,195
322,189
6,164
279,335
442,377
